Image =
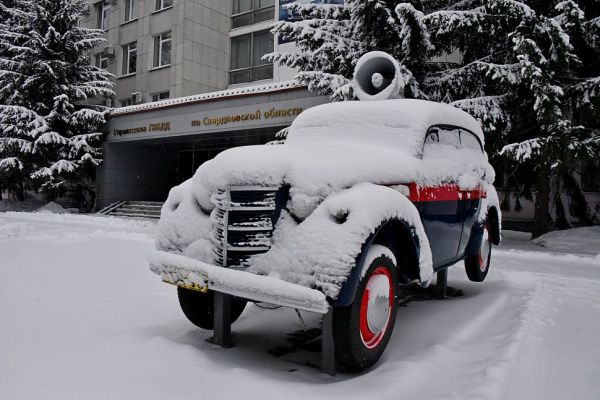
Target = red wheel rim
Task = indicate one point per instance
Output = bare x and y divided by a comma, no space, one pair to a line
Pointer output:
376,307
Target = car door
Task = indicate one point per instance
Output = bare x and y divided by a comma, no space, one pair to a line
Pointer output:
469,197
439,205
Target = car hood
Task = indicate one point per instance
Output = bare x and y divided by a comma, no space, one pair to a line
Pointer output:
313,171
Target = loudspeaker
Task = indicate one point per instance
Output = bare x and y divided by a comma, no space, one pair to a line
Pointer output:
377,77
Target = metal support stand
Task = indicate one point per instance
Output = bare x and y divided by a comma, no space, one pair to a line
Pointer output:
222,320
328,363
442,283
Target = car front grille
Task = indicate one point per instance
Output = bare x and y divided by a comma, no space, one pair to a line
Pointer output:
243,221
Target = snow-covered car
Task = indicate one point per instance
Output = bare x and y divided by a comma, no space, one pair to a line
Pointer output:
362,196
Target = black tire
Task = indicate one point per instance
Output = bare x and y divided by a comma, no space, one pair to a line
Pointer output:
355,350
199,307
477,265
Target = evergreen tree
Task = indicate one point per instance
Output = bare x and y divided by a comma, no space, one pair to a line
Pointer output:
49,137
530,72
331,39
12,20
527,70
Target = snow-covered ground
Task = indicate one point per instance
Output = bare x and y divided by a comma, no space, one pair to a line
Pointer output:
82,317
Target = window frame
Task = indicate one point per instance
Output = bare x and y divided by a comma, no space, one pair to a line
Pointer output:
162,5
103,18
126,100
450,127
130,10
126,62
252,67
160,49
252,12
99,57
158,94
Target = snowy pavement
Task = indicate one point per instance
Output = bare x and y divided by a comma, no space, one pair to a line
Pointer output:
82,317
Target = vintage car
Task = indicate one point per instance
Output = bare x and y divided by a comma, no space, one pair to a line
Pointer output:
361,197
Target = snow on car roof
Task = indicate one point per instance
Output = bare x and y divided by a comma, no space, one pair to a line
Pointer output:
401,123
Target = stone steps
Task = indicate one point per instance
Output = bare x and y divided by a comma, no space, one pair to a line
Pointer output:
134,209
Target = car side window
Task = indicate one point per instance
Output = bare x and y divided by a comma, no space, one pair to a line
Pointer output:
442,140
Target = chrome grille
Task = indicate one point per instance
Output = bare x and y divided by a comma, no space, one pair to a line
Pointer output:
243,221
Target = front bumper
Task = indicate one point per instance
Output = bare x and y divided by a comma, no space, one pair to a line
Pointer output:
197,275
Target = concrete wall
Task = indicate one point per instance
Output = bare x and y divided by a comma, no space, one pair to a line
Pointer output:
199,47
205,48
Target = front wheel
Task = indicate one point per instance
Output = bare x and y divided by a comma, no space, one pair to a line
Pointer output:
362,330
199,307
478,265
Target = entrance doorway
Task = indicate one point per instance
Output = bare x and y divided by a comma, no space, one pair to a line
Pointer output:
147,169
189,160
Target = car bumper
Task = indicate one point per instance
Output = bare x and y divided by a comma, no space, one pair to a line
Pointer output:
197,275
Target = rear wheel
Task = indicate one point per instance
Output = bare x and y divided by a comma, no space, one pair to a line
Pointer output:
362,330
478,265
199,307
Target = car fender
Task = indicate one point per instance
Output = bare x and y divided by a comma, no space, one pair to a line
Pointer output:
410,245
490,213
326,250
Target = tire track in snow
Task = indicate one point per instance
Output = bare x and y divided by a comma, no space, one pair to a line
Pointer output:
474,360
511,336
558,358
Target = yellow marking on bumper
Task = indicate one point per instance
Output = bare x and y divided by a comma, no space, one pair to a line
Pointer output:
194,286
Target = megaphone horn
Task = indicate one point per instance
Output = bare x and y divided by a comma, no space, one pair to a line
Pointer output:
377,77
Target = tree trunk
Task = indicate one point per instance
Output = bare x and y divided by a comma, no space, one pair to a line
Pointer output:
20,192
542,220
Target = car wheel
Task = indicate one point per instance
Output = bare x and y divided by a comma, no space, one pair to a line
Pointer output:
362,330
199,307
478,265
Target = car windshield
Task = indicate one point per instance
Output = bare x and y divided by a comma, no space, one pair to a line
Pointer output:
454,143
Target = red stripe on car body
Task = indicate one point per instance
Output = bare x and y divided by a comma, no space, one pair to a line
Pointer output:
445,192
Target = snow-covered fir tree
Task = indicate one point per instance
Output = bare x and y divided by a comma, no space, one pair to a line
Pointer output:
49,134
331,39
528,70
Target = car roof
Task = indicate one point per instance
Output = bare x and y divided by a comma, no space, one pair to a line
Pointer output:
401,123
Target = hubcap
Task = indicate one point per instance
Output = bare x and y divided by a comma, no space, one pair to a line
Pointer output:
484,252
376,307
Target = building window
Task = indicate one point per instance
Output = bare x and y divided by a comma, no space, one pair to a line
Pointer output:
162,4
101,60
130,10
248,12
103,11
162,50
160,96
129,59
246,54
126,102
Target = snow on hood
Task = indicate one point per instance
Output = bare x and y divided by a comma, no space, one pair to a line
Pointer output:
335,146
315,171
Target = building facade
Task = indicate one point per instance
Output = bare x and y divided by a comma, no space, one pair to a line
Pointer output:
161,49
190,82
155,146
